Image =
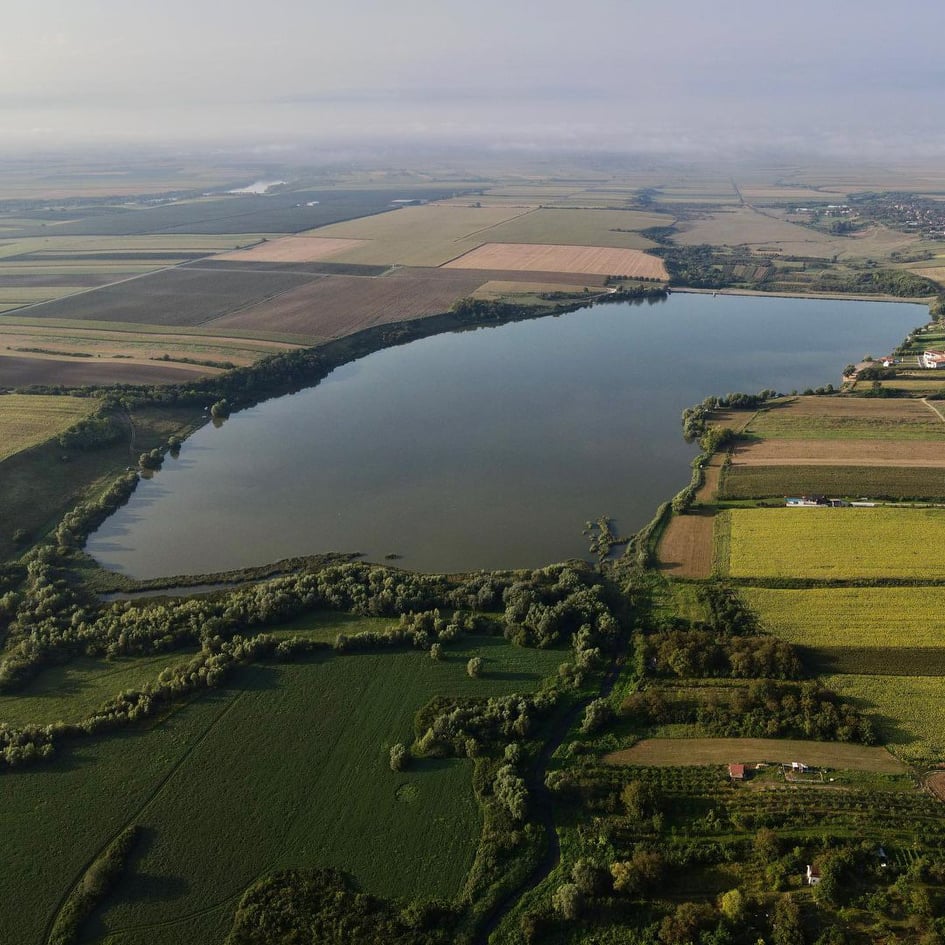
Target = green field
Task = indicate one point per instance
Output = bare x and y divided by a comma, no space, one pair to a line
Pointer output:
296,755
615,228
29,419
832,543
826,418
881,482
70,693
887,617
908,712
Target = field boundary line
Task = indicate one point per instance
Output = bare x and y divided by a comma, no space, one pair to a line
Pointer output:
148,801
85,291
492,226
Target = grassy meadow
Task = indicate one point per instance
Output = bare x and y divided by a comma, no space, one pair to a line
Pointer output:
30,419
828,418
297,755
832,543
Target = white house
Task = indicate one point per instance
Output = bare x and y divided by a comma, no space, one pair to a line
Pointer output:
933,359
813,875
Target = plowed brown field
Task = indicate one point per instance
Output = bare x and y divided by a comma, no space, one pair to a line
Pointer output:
686,548
24,371
529,257
335,306
841,453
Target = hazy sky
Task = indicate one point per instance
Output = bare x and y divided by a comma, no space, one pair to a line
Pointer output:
860,76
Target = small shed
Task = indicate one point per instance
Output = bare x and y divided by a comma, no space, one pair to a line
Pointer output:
812,875
737,772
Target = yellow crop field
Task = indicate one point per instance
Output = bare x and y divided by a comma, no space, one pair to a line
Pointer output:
27,420
889,617
526,257
292,249
415,236
828,543
908,711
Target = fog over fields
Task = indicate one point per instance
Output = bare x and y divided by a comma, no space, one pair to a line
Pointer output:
843,78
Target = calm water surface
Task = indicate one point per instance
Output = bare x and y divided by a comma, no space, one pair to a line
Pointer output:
487,448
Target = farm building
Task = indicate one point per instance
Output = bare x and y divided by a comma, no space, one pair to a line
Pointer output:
812,875
737,772
933,359
812,502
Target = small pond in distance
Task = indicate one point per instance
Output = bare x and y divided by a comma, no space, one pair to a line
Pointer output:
487,448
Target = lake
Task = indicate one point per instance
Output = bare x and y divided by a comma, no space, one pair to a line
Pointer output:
483,449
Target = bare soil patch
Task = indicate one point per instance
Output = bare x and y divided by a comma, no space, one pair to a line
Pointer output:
24,371
840,453
708,751
686,547
293,249
935,782
537,257
335,306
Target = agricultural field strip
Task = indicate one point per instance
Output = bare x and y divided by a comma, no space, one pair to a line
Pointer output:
909,711
174,296
532,257
21,370
845,418
718,751
76,342
886,482
415,236
27,420
143,328
888,617
918,452
838,544
685,550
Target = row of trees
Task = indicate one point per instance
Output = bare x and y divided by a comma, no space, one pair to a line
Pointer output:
762,709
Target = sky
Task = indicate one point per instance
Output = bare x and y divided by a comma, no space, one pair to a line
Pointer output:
861,77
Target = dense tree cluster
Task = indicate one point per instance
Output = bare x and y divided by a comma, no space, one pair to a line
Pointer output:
99,430
560,604
700,653
325,906
449,726
95,885
762,709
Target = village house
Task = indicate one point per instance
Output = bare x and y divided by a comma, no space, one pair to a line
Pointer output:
933,359
812,875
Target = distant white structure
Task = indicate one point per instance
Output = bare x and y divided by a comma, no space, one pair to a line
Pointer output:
933,359
812,875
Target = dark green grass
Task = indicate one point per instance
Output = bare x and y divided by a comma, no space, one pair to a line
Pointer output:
875,660
72,692
748,482
286,767
183,296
